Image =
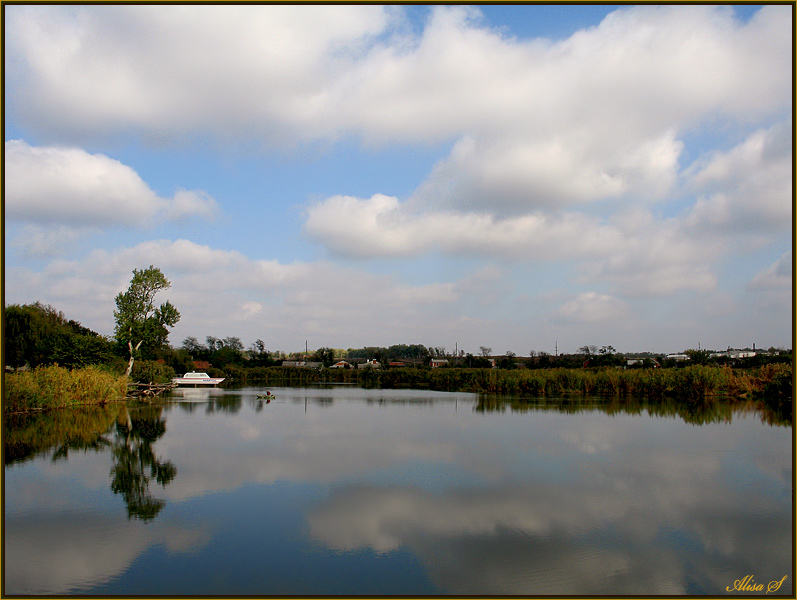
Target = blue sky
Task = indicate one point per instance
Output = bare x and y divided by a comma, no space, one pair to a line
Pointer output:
517,177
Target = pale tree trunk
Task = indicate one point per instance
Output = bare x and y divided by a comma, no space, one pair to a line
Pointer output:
132,358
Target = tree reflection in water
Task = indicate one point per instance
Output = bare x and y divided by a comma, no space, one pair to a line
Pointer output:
135,464
700,411
128,434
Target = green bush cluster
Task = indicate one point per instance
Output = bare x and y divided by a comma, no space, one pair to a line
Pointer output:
150,371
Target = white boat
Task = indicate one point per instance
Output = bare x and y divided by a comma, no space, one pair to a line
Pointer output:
197,379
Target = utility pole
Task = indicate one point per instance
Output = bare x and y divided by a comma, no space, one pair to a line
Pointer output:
556,352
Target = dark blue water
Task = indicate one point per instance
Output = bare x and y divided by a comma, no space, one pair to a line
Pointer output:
348,491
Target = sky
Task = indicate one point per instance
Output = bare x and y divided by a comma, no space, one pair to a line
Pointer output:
524,178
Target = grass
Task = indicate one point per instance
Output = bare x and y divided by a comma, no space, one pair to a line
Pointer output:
50,387
694,382
56,387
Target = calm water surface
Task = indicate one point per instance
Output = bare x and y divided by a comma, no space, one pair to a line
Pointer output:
383,492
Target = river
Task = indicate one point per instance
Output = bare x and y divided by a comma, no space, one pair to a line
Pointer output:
349,491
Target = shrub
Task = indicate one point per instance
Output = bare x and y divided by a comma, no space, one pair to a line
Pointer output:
48,387
150,371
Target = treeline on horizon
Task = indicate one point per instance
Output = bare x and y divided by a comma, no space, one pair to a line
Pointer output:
37,335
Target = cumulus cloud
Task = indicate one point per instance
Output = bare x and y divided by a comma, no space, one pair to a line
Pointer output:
216,290
69,186
574,150
592,307
70,546
87,72
384,226
776,277
747,189
321,71
658,257
36,241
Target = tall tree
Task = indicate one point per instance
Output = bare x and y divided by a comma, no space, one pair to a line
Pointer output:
37,334
138,321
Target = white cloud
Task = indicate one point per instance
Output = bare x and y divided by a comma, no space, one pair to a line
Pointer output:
252,308
169,70
70,546
383,226
592,307
560,152
749,188
69,186
322,71
274,299
187,204
775,277
36,241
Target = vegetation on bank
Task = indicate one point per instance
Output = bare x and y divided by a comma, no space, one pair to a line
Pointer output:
696,381
49,387
57,362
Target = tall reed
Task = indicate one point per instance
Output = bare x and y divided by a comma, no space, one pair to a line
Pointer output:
48,387
695,381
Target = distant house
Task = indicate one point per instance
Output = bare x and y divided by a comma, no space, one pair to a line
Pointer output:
370,364
438,362
641,361
201,365
341,364
678,357
396,363
735,354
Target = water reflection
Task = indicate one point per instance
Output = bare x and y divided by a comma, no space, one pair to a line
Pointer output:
432,493
135,465
127,433
60,535
700,411
28,435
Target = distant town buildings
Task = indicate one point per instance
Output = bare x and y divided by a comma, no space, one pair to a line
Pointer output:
370,364
734,354
302,364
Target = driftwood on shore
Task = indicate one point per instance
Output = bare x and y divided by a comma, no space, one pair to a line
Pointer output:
148,390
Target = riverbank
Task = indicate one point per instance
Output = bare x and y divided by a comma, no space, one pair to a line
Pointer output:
697,381
54,387
51,387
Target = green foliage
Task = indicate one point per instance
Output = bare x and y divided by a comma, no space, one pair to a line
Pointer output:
326,356
395,352
139,324
226,356
36,334
698,357
150,371
48,387
235,373
476,362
